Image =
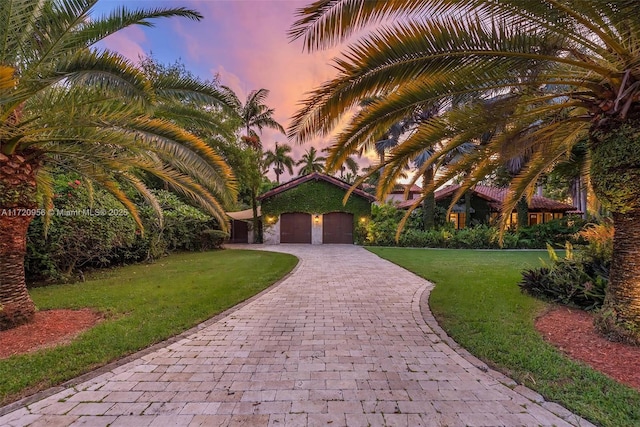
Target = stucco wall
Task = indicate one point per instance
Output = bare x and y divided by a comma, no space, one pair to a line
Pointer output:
271,233
316,229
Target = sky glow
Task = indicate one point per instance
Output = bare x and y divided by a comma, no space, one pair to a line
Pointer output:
244,42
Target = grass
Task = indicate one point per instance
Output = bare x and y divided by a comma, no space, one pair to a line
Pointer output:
143,304
477,302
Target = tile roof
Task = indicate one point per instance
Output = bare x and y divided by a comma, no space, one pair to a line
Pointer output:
316,177
402,188
495,196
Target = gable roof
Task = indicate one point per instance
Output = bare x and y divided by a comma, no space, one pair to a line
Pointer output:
400,189
495,196
316,176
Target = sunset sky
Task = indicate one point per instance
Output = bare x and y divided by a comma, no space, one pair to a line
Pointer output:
244,42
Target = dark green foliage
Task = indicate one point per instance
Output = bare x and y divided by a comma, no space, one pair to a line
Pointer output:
555,232
92,230
566,283
184,225
87,229
316,197
381,231
615,167
578,281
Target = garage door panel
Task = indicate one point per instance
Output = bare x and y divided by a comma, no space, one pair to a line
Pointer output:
295,228
337,227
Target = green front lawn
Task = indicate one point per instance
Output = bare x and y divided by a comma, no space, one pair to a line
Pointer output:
477,302
143,304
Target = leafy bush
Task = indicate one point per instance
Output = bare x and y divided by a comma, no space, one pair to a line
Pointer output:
381,231
600,239
91,229
578,281
87,228
555,232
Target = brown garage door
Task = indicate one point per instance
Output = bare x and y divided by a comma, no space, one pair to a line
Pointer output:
295,228
337,227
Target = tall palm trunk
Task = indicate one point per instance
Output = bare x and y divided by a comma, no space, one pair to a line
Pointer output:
615,172
623,296
257,234
429,202
17,204
522,208
467,208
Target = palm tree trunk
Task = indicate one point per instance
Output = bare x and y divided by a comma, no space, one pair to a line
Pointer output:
467,208
257,235
522,208
623,296
429,202
17,204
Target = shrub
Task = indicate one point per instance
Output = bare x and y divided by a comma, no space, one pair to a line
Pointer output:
599,238
87,229
572,280
555,232
84,240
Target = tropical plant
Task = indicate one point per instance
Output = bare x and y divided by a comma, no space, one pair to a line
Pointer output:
348,169
68,105
311,162
254,114
280,159
565,70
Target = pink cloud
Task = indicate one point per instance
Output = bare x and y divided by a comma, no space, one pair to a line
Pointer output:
128,43
246,44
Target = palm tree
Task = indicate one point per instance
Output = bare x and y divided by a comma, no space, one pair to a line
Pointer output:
254,114
67,106
349,164
280,159
311,162
587,50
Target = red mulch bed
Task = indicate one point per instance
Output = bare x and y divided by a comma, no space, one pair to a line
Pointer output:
573,333
50,328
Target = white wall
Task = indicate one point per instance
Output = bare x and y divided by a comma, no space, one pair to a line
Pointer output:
271,232
316,229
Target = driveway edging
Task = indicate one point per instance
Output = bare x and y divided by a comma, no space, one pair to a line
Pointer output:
429,319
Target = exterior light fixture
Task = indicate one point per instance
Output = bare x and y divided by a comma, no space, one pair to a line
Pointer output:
316,218
363,219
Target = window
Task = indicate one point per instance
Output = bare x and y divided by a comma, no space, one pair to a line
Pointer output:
534,218
458,220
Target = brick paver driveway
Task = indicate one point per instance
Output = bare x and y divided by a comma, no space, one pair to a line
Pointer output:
340,342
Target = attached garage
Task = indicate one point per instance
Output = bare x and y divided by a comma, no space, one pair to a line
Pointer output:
310,209
337,227
295,228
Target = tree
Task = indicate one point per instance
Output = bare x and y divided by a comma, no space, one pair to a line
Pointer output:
69,106
587,50
280,159
310,162
349,164
254,114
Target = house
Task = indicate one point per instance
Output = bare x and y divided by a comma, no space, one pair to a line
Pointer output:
310,209
397,195
486,203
